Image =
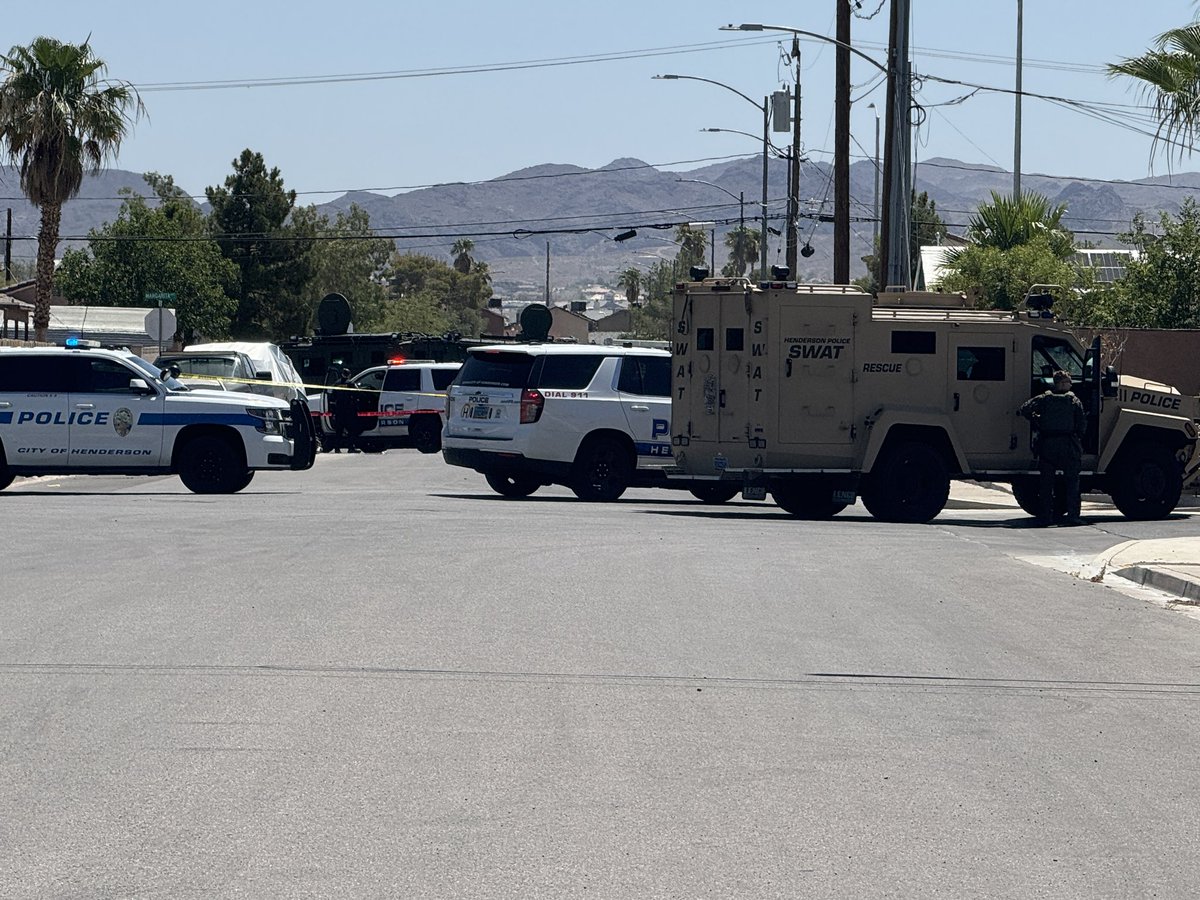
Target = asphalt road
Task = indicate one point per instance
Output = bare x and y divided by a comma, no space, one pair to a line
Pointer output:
378,679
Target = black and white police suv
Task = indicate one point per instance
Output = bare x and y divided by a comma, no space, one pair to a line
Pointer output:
596,419
83,410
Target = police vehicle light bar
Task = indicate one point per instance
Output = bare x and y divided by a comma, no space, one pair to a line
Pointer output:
79,343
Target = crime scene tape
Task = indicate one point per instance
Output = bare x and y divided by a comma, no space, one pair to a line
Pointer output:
296,384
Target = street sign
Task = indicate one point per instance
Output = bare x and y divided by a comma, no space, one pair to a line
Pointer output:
160,297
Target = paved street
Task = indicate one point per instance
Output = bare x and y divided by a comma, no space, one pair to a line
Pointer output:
377,678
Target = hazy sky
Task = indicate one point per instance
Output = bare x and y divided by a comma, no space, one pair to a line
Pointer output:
564,81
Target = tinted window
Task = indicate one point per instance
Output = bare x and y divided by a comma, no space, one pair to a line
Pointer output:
572,373
106,376
200,365
402,380
734,338
371,381
495,369
912,342
704,339
442,378
647,376
29,374
980,363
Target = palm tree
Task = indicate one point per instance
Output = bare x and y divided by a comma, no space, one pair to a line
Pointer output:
59,120
1169,76
461,251
743,250
693,245
1009,222
631,280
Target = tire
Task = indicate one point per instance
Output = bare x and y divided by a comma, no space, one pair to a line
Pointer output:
715,494
1025,492
602,470
513,486
371,445
426,433
6,475
1148,482
910,483
212,465
807,501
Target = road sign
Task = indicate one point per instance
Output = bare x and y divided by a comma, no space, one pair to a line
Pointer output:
160,324
160,297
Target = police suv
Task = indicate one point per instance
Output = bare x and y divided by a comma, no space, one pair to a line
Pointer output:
82,410
400,405
596,419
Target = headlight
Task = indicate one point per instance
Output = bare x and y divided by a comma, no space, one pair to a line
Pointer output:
270,420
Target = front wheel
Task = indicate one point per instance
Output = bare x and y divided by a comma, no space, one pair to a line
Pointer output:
909,483
514,486
426,433
1148,482
211,465
715,494
602,471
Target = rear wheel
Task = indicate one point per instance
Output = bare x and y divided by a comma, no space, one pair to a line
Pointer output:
1025,492
910,483
512,485
212,465
426,433
715,493
807,501
1148,482
602,470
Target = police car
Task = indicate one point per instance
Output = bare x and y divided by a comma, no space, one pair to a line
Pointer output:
400,405
596,419
84,410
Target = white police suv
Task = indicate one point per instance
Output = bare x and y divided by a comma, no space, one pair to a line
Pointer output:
596,419
83,410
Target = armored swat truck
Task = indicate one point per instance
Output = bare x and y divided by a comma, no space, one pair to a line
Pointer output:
821,394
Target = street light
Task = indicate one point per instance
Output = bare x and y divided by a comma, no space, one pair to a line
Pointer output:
741,199
875,208
766,112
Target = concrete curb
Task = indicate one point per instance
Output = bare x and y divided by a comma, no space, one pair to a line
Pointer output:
1186,590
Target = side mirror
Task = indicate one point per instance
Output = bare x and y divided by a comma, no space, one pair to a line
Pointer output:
1109,381
263,375
139,386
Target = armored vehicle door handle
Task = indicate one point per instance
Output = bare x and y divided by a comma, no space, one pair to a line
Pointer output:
85,405
721,400
956,399
641,408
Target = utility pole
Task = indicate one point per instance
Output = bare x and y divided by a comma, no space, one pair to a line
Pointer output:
841,148
547,273
1017,124
793,238
8,249
897,174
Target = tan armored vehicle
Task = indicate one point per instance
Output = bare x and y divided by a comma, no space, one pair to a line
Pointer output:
820,394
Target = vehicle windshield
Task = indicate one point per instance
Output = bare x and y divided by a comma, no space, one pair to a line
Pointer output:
221,366
154,374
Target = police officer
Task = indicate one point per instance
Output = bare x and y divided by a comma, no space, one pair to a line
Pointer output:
1058,422
343,401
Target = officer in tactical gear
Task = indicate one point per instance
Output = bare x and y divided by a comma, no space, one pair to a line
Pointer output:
1059,423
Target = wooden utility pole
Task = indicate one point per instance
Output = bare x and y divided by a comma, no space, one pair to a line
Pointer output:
897,185
841,148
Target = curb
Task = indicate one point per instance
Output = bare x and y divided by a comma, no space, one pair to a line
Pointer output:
1187,591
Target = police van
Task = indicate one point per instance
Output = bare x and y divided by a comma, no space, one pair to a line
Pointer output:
84,410
596,419
399,405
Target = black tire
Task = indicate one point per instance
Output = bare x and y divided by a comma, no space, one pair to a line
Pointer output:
1025,492
1147,483
807,501
716,493
909,483
6,475
602,470
212,465
371,445
426,433
514,486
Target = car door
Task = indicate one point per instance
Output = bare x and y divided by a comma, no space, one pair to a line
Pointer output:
644,384
114,425
368,385
33,410
401,390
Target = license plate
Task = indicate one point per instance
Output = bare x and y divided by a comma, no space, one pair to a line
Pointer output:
477,411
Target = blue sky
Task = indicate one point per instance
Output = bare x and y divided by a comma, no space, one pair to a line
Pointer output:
389,133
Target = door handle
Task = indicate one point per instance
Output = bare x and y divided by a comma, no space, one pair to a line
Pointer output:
721,401
956,399
4,404
641,408
85,405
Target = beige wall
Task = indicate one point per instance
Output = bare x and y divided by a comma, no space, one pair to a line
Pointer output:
566,324
1172,357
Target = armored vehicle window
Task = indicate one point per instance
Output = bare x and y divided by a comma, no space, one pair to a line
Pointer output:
913,342
568,372
29,374
500,369
402,380
106,376
442,378
705,339
981,364
647,376
1051,354
734,339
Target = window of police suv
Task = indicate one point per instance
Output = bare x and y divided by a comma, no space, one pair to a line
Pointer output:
499,369
442,378
568,372
28,374
646,376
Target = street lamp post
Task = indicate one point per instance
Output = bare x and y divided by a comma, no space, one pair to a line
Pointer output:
875,205
740,198
766,139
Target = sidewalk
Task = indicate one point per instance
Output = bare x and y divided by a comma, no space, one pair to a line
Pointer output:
1171,565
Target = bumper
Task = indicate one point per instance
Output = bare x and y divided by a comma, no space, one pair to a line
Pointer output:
488,462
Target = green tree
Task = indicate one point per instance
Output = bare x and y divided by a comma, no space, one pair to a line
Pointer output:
347,259
1008,222
1169,77
461,251
431,297
1000,279
925,228
654,319
743,244
631,280
693,247
60,119
250,223
156,249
